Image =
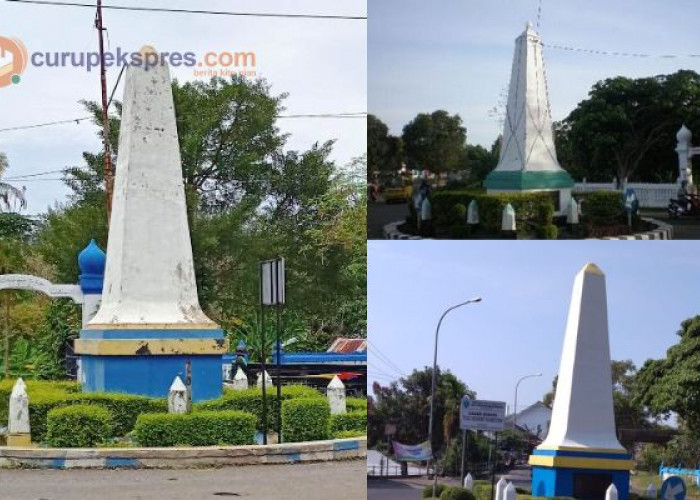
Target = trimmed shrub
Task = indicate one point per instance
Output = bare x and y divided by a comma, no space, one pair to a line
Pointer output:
305,420
356,404
428,490
534,211
456,493
353,421
482,491
35,388
250,401
204,428
349,434
125,408
78,426
39,408
601,207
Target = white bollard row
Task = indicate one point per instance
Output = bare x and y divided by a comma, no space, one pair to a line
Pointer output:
18,430
468,482
240,380
335,392
177,397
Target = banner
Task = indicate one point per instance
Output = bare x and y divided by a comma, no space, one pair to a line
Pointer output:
408,453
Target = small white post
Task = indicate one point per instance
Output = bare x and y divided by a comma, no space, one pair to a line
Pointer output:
177,397
684,139
468,482
268,380
426,210
473,213
611,493
651,491
500,488
572,212
508,218
240,381
509,493
335,392
18,431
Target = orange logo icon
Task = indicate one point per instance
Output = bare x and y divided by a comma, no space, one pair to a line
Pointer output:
13,60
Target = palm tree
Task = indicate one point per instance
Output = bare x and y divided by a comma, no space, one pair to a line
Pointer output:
10,196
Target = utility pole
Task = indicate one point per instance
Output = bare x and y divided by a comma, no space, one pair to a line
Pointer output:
108,171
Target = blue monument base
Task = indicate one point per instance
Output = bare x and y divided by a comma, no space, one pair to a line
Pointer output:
579,474
145,362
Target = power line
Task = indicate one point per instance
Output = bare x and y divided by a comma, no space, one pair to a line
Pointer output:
188,11
619,54
361,114
385,359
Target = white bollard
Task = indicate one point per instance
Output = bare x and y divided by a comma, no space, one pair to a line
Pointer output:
572,212
651,491
509,493
473,213
335,392
268,380
177,397
468,482
611,493
508,218
18,431
240,381
500,488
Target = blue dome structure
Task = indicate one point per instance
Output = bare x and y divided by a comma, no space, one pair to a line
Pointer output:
91,262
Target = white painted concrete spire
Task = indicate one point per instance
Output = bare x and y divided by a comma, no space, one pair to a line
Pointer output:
583,415
528,140
149,276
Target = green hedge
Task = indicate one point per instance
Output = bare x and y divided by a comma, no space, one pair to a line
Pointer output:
456,493
600,207
349,434
428,490
125,408
356,404
35,388
305,420
78,426
250,401
204,428
534,213
353,421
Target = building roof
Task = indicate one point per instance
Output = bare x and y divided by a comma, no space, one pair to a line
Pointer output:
348,346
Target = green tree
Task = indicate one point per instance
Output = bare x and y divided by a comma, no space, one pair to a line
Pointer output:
11,197
671,384
435,141
384,151
627,127
406,404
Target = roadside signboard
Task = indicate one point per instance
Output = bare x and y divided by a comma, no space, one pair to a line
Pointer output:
480,415
673,488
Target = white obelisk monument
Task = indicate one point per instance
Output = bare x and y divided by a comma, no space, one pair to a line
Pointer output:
581,455
150,325
528,160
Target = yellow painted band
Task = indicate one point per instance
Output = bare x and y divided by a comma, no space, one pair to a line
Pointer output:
19,440
581,463
587,450
151,347
152,326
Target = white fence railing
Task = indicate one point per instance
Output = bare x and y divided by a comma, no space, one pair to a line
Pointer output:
649,195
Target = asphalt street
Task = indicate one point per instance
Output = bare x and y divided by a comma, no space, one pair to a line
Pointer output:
379,214
322,481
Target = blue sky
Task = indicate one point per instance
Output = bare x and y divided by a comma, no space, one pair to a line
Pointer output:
518,328
322,64
456,54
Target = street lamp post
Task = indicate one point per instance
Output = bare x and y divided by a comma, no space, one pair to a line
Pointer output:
434,383
515,403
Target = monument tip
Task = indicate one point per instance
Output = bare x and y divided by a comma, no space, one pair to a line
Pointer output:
147,49
592,269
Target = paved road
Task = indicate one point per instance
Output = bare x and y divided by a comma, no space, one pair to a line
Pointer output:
399,489
380,214
683,228
322,481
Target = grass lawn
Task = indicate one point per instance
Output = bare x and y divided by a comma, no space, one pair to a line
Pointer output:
641,481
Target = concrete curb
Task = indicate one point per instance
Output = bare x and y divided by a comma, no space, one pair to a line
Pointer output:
663,231
391,232
182,458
